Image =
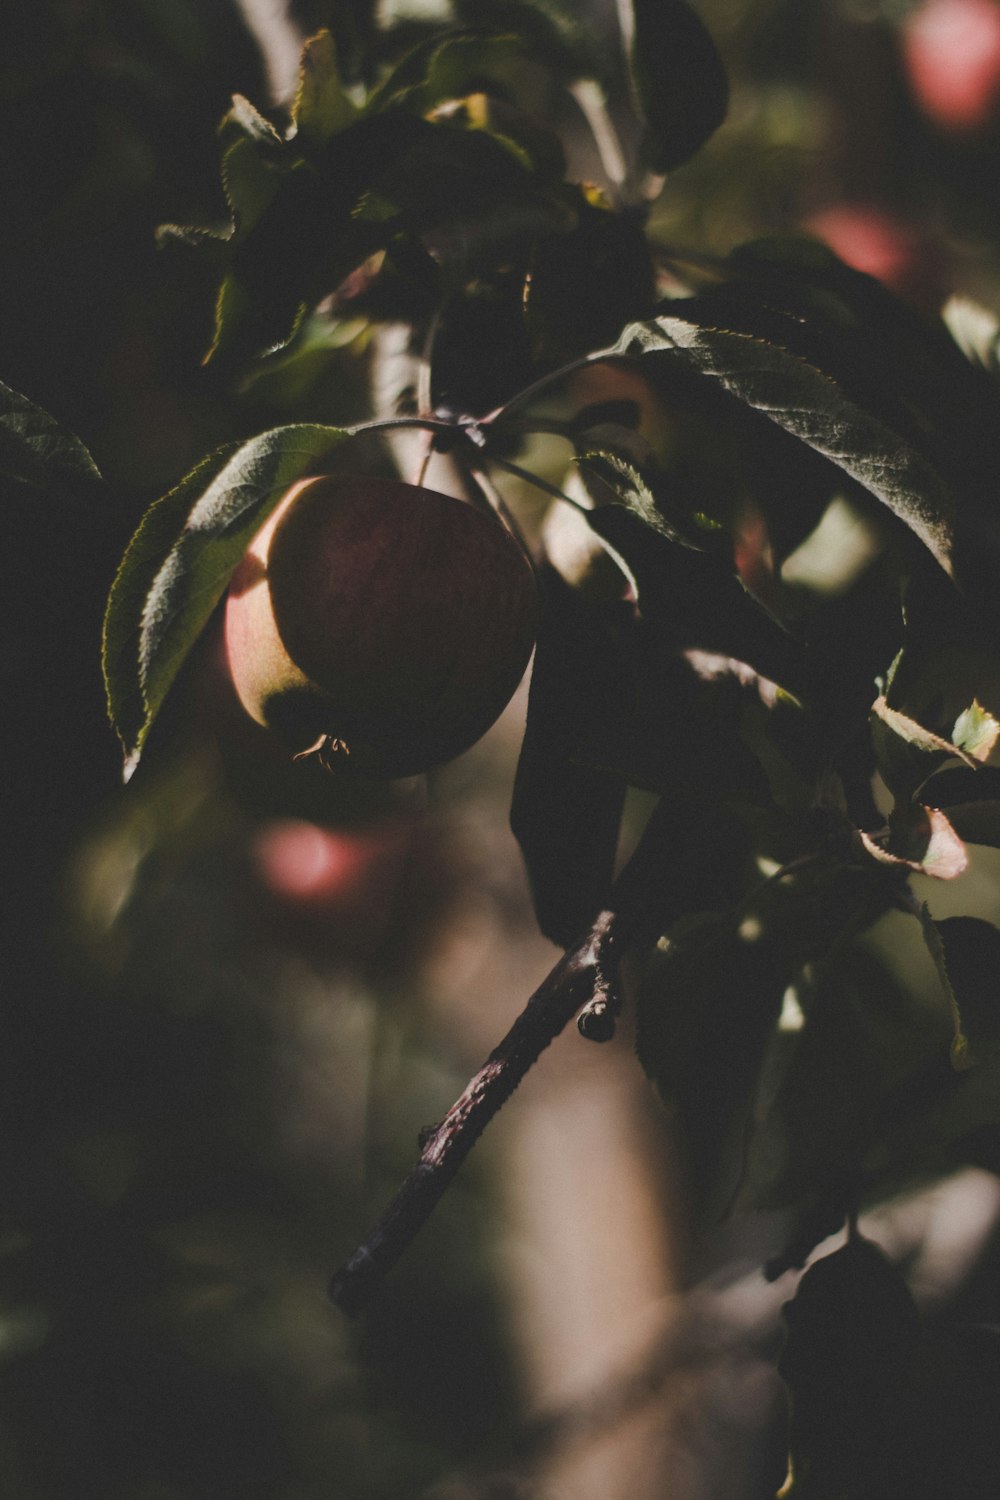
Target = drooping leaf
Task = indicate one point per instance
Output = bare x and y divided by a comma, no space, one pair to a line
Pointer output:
697,601
797,394
850,1363
966,951
566,809
906,753
321,108
680,81
38,452
706,1012
708,1025
920,839
179,562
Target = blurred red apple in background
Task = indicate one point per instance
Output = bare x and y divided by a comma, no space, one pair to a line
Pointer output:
951,52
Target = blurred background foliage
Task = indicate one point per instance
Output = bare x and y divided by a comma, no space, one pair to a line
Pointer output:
232,995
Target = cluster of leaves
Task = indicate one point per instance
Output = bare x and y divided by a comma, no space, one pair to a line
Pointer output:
442,180
758,697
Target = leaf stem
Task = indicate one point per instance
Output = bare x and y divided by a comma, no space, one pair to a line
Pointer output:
392,424
545,382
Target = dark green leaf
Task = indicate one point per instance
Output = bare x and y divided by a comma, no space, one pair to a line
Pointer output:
705,1015
680,80
561,34
452,66
793,392
696,601
36,451
908,365
608,456
249,182
179,562
850,1361
589,280
860,1038
967,953
566,809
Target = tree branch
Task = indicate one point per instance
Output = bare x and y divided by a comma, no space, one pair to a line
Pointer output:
573,981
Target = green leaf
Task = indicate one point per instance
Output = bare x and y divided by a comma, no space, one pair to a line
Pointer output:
37,451
796,394
976,732
559,33
624,479
180,560
679,78
461,62
244,120
321,107
249,182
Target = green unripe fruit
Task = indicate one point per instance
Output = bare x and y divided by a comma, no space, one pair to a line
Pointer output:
382,625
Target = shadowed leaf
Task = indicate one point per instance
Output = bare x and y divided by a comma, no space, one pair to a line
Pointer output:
566,810
681,83
966,952
794,392
36,451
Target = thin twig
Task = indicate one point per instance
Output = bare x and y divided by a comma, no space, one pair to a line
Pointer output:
552,1006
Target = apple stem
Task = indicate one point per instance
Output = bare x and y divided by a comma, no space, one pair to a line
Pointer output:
574,980
539,483
483,490
425,461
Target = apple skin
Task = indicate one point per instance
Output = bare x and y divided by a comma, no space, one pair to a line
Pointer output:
382,625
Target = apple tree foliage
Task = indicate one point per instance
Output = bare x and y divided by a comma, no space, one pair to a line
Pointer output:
787,633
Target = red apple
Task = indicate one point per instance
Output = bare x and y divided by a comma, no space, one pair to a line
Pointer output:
381,625
951,52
